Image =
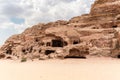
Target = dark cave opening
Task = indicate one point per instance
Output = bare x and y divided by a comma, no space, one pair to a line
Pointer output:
40,51
57,43
65,43
47,52
76,54
24,51
76,57
9,51
75,42
114,26
36,40
48,44
118,56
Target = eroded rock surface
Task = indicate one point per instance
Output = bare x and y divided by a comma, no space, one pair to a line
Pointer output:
93,34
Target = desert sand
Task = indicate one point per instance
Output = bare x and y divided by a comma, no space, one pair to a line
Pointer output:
68,69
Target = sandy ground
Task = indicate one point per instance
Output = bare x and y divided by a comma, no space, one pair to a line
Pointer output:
69,69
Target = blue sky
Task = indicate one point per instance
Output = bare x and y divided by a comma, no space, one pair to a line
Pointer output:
17,15
17,20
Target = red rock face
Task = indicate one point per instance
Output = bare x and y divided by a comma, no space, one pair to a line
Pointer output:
106,7
94,34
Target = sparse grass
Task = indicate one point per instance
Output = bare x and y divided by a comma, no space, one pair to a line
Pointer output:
23,59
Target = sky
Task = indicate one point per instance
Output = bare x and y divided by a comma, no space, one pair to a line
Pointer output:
17,15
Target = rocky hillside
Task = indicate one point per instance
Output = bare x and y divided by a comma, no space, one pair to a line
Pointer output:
93,34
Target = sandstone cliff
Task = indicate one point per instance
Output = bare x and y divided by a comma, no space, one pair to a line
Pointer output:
93,34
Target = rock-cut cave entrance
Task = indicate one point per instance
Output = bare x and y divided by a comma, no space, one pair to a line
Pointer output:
118,56
57,43
9,51
47,52
76,42
75,53
114,26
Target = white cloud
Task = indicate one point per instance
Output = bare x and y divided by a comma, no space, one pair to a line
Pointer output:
35,11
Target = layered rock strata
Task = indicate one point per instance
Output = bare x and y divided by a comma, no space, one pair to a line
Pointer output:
93,34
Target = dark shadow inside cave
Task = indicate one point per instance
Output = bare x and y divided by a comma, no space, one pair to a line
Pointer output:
76,54
9,51
57,43
118,56
114,26
76,57
75,42
47,52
